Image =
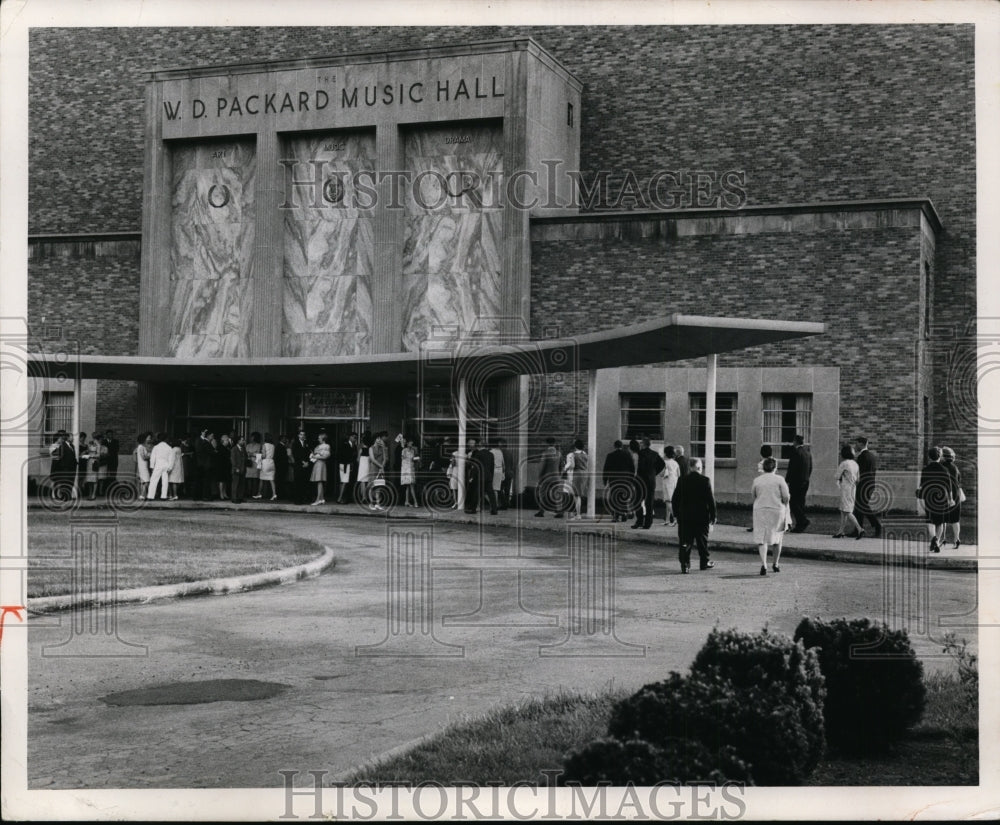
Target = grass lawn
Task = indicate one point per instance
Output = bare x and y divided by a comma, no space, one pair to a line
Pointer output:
516,744
168,550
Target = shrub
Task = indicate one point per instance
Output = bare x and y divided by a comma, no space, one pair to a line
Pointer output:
760,694
642,763
874,681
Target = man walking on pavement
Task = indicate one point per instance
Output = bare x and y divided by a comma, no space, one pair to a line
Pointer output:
649,467
694,507
867,471
800,466
618,471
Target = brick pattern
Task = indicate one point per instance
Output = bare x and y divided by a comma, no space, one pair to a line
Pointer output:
116,409
862,285
88,289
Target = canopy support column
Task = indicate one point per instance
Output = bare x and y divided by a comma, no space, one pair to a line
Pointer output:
77,407
713,359
462,439
592,444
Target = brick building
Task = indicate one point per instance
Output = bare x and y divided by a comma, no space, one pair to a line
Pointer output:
741,171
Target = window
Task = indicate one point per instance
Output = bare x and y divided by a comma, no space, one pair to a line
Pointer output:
725,424
211,408
569,114
785,416
642,415
58,415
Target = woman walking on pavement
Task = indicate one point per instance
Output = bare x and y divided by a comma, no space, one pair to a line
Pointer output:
954,516
847,481
770,502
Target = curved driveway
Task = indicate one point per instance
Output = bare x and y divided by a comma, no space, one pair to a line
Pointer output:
506,616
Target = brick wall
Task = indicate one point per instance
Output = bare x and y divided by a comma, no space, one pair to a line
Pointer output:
864,285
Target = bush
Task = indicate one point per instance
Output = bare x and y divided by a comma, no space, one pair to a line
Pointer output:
642,763
874,681
760,694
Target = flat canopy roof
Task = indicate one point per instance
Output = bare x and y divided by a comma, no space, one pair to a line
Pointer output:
672,338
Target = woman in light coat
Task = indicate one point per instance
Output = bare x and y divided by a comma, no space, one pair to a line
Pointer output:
143,452
770,503
320,455
847,481
268,467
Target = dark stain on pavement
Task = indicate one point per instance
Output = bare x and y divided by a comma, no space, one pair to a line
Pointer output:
193,693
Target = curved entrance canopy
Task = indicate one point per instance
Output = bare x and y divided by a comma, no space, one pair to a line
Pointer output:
673,338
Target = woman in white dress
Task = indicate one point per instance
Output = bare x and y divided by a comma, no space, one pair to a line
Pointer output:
143,451
267,467
499,471
407,473
576,475
364,465
847,481
770,503
96,471
175,478
254,449
671,472
320,455
452,473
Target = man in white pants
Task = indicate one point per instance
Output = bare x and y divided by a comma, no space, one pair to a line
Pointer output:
161,462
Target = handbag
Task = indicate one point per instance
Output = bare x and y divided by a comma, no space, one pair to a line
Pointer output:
379,480
921,509
961,496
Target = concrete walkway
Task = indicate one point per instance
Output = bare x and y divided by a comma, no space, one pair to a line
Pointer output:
904,542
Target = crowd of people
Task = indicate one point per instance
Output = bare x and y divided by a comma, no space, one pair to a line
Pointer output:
379,472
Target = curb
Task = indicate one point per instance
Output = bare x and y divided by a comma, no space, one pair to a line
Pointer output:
937,561
206,587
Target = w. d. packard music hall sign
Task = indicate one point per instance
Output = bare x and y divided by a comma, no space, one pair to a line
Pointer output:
345,207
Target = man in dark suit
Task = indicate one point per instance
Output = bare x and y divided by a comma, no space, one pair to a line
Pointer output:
63,470
473,480
508,473
800,466
238,464
486,464
301,470
694,507
867,471
347,465
111,461
618,472
204,457
281,466
649,467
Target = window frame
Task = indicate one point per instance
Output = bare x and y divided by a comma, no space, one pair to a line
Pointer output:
783,447
697,446
625,408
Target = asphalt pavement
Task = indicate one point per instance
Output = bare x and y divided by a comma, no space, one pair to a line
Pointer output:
420,622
